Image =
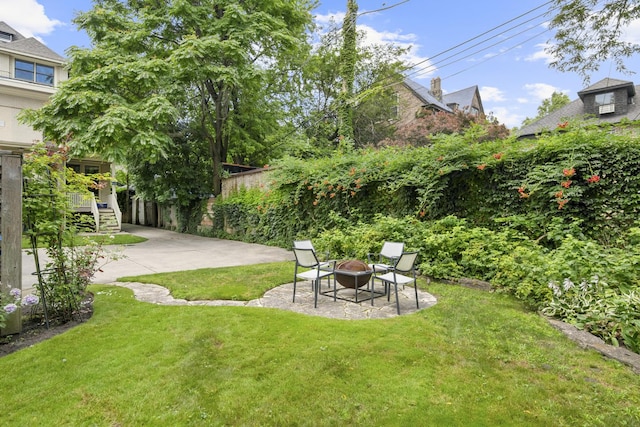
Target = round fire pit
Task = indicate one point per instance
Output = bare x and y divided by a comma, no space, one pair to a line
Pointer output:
348,280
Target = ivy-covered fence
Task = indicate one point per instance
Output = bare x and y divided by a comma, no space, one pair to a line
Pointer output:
585,176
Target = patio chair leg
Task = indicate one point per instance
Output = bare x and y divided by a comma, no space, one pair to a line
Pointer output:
315,294
294,289
397,302
371,288
415,287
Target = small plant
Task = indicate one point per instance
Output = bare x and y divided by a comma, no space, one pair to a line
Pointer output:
595,307
64,280
13,301
49,220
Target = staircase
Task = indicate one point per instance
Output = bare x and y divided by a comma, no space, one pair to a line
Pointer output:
108,221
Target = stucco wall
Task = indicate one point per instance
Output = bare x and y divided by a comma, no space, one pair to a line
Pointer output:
17,95
251,179
13,133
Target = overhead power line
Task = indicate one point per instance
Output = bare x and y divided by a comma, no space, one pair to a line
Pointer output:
433,65
429,67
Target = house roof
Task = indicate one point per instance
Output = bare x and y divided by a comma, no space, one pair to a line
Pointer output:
576,109
28,46
611,84
425,95
462,98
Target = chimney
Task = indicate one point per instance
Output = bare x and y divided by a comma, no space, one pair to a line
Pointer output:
436,90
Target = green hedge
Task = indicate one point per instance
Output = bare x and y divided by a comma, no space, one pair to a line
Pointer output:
587,177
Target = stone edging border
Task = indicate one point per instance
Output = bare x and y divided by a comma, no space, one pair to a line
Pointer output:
586,340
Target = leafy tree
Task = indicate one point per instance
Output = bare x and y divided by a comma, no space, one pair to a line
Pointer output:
426,128
213,66
348,57
177,179
589,32
377,67
549,105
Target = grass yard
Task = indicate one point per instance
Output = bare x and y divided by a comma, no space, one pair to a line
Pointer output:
80,240
226,283
475,358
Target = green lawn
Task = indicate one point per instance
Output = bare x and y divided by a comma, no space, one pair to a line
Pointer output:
474,359
79,240
227,283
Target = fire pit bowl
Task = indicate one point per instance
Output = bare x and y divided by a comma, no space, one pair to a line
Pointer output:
349,280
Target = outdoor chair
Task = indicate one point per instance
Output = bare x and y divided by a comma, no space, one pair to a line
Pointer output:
325,262
385,260
306,258
307,244
405,264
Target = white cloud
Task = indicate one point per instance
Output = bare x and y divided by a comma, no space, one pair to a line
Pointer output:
29,18
488,93
541,54
330,19
541,91
375,37
631,34
506,116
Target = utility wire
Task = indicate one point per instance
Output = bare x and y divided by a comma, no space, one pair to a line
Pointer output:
491,30
363,93
500,54
366,12
432,65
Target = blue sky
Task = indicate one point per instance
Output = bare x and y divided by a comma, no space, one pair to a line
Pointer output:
508,64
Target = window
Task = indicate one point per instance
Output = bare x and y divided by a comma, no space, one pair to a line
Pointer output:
90,170
33,72
395,107
605,99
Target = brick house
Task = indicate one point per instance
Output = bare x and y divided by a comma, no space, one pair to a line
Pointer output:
415,99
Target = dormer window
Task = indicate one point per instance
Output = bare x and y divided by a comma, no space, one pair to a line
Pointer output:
606,103
605,98
34,72
6,37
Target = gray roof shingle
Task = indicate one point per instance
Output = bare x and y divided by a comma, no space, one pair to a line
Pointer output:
425,95
463,98
576,109
27,46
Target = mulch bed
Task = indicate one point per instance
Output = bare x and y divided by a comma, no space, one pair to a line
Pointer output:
35,330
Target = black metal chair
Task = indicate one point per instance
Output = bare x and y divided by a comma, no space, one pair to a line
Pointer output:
405,264
325,261
306,258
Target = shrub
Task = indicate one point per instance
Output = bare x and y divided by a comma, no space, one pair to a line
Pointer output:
48,219
594,306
